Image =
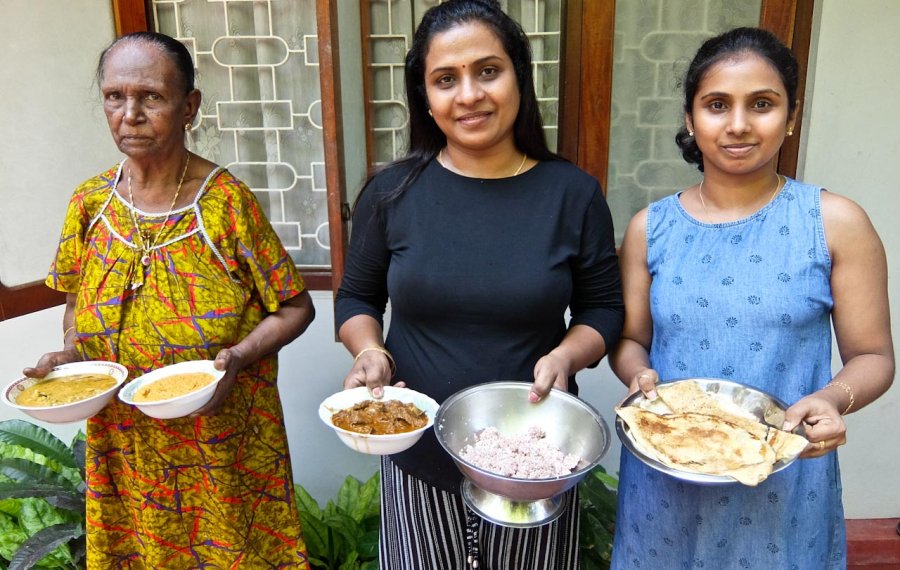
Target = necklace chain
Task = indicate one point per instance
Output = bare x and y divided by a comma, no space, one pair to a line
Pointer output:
145,244
772,197
440,159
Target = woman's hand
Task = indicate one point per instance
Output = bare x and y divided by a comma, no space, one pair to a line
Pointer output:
51,359
824,425
371,369
231,361
644,381
551,371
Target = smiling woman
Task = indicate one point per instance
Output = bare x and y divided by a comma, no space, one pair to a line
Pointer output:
482,239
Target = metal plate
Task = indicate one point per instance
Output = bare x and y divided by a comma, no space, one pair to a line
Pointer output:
763,406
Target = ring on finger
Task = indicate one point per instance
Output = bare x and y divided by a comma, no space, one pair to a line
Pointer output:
822,444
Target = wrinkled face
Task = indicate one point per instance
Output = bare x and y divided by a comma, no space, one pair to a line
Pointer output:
740,115
144,100
471,87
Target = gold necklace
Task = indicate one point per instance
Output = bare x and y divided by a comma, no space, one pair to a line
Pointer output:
147,245
772,197
440,159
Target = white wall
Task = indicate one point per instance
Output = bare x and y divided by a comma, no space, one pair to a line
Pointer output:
853,147
53,134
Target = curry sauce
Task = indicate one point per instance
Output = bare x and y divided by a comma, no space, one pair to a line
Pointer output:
375,417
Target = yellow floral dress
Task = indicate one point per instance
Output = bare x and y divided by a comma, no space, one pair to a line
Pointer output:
204,492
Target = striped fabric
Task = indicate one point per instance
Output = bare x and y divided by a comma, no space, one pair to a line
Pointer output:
425,527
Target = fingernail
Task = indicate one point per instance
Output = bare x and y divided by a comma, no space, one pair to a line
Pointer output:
533,397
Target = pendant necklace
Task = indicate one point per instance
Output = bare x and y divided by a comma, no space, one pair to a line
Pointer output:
440,159
772,197
145,243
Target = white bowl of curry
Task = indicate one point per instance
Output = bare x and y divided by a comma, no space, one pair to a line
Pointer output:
383,426
68,393
173,391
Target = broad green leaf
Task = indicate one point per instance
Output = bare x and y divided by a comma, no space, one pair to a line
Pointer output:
37,514
57,496
349,562
43,543
305,502
9,451
348,495
369,500
316,563
23,470
11,536
368,545
605,478
345,526
38,439
369,565
316,535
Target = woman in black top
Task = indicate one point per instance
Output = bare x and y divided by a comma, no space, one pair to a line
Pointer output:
483,240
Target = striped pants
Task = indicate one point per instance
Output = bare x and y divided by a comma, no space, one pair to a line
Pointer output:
424,528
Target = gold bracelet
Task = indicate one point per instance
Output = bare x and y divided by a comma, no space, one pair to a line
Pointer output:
67,331
847,389
382,350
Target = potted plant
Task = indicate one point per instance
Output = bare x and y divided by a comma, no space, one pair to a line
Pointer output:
42,508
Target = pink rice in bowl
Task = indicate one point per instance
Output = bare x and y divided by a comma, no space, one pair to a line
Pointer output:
522,456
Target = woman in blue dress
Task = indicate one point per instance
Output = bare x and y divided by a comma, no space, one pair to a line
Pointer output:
741,277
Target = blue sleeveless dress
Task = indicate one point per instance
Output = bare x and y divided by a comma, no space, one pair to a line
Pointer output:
748,301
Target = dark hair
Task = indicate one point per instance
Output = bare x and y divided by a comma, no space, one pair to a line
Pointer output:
169,46
733,44
425,138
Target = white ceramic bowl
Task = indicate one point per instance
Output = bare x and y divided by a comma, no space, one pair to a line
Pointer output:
74,411
377,444
179,406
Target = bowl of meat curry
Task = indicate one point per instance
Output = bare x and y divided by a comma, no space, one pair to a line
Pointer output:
382,426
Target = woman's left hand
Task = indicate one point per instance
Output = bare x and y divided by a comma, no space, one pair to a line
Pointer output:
231,362
551,371
824,425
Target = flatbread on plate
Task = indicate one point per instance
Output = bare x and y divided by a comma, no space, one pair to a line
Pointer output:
700,443
690,430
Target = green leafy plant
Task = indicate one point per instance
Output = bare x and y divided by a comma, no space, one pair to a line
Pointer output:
597,496
343,535
42,508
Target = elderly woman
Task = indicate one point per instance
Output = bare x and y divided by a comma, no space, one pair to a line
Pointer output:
167,257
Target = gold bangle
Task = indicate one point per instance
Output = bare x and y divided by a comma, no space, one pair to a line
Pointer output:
382,350
67,331
847,389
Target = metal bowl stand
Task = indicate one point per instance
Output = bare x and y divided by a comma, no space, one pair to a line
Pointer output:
504,511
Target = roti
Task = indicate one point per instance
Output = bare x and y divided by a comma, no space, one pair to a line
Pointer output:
690,430
701,443
690,397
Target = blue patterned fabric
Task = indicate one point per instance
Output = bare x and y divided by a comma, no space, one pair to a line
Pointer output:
748,301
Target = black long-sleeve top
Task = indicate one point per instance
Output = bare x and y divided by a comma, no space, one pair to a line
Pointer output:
480,274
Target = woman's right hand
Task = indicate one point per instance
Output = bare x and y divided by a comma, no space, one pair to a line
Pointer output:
644,381
51,359
371,369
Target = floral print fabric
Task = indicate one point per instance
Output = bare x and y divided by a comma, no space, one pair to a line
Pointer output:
203,492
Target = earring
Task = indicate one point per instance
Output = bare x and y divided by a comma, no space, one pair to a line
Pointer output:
187,127
690,133
790,132
430,114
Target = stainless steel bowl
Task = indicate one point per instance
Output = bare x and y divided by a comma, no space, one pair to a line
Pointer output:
571,425
763,406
